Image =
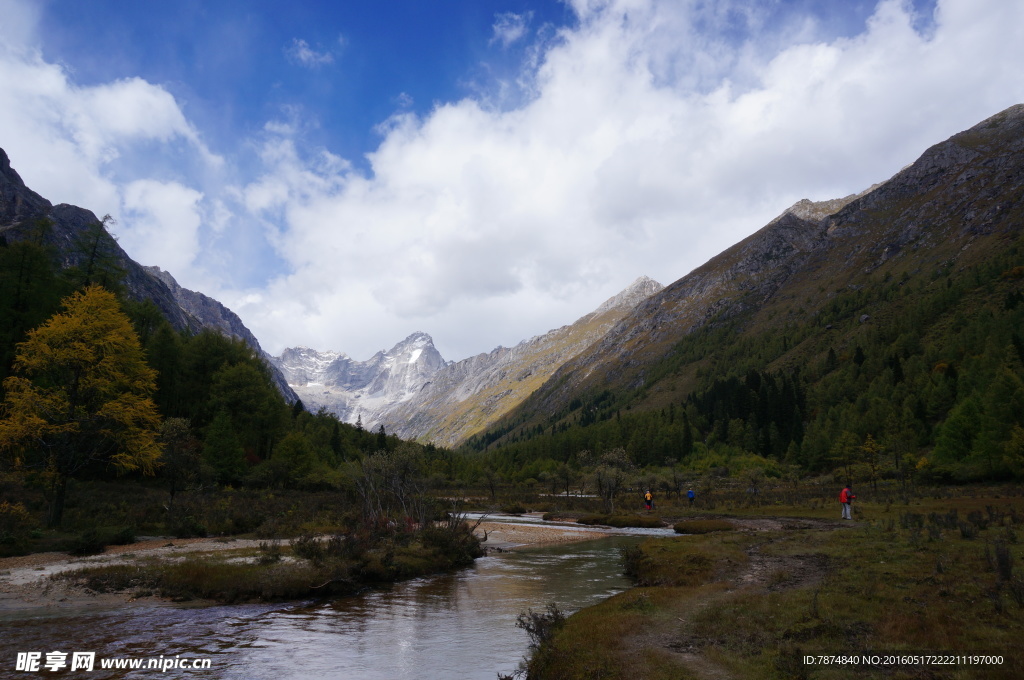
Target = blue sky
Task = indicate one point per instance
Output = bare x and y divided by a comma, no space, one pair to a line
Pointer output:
346,66
234,64
342,174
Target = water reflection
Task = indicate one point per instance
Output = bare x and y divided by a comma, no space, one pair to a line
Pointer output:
447,627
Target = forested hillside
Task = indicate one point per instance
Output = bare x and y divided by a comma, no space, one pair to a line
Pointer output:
886,336
198,410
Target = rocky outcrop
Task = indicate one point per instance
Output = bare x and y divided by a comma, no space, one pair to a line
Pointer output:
18,203
208,312
22,214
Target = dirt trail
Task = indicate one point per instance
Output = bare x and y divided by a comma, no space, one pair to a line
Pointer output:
766,573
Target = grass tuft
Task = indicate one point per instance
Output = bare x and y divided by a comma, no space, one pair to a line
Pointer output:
703,526
622,521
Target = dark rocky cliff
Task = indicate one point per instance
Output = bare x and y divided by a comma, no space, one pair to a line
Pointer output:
22,210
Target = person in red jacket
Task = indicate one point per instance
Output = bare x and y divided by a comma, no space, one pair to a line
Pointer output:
846,498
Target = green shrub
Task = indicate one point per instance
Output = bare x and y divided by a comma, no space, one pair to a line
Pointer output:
188,527
454,540
320,551
16,528
623,521
703,526
87,543
123,536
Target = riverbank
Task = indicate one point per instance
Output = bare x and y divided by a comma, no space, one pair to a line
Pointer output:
936,577
41,580
235,571
459,624
27,581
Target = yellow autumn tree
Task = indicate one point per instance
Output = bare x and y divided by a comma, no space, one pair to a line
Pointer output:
80,396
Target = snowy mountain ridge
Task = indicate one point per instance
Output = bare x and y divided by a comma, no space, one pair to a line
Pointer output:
360,390
415,393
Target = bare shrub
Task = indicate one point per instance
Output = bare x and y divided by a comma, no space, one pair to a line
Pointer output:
996,595
270,551
1003,560
978,519
1017,591
541,626
631,558
915,537
911,520
948,520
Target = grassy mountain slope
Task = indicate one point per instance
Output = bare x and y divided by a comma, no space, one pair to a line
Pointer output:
920,277
468,396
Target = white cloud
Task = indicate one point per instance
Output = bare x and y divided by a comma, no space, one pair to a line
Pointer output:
404,100
649,146
165,220
82,144
62,131
651,135
301,53
20,19
510,27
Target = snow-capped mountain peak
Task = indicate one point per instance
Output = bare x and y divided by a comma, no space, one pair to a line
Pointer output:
414,392
361,389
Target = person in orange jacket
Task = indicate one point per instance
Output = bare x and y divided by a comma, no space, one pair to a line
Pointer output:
846,498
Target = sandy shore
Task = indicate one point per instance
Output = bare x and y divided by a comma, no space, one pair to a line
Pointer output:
25,581
504,536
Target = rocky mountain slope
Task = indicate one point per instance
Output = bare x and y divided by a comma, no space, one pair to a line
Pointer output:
957,204
67,229
23,210
213,315
416,394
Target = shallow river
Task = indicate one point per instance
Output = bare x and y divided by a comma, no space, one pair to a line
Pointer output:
448,627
